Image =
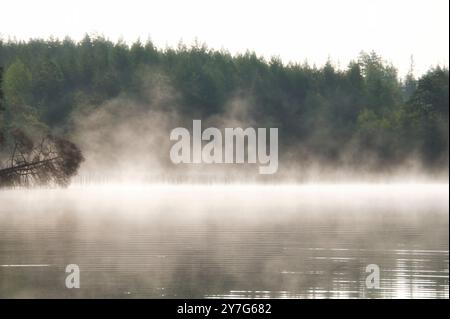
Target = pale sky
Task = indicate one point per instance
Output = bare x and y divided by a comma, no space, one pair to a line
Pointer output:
296,31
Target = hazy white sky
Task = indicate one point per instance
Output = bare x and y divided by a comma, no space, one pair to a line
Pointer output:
310,30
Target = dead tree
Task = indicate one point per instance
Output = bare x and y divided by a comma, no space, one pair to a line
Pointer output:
51,161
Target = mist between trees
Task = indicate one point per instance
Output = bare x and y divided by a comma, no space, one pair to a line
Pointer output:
118,104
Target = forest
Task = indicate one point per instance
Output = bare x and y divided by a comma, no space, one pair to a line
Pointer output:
363,115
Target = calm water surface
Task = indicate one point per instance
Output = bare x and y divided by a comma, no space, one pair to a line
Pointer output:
162,241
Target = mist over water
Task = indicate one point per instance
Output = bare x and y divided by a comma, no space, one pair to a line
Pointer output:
139,226
361,180
128,141
281,241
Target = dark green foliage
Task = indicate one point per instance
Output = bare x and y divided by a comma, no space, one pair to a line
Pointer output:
2,134
1,89
323,114
426,117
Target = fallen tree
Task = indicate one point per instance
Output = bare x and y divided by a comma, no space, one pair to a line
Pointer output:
51,161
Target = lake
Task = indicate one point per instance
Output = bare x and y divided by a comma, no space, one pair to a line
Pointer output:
226,241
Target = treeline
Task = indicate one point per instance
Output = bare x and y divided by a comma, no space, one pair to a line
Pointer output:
364,115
